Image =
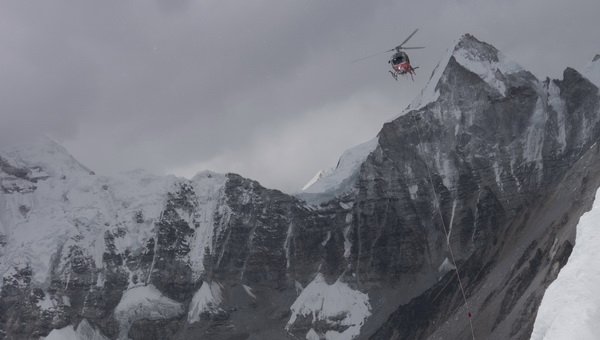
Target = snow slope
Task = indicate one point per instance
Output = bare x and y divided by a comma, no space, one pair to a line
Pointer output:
336,179
570,308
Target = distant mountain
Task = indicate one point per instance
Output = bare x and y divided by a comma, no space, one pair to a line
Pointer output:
488,160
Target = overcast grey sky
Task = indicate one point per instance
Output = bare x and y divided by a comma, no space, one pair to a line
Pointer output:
264,88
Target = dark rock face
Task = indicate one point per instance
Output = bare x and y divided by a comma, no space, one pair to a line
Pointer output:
170,272
495,164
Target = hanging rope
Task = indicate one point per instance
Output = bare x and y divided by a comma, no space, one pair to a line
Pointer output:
437,202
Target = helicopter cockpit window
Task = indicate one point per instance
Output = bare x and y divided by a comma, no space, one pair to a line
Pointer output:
399,59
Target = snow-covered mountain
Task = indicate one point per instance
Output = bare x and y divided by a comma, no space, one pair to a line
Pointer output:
488,160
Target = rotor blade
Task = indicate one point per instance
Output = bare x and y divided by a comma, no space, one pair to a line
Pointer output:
407,39
367,57
413,48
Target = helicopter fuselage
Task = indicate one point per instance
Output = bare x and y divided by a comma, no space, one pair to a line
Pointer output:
401,63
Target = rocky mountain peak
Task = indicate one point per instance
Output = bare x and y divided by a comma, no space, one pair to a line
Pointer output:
480,59
476,49
483,60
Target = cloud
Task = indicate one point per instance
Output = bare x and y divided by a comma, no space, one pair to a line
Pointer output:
288,157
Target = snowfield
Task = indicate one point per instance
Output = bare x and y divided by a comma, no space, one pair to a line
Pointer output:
570,308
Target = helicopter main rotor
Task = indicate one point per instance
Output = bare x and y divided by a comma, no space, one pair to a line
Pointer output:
397,48
400,47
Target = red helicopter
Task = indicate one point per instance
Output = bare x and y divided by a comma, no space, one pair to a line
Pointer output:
399,60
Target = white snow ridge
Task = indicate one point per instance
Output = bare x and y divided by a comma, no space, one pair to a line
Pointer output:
336,304
569,309
349,163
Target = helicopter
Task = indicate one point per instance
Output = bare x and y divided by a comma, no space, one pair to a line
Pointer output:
399,61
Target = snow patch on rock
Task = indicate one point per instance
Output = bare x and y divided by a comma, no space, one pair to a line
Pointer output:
249,292
558,105
210,189
144,302
336,305
65,333
47,303
206,300
533,142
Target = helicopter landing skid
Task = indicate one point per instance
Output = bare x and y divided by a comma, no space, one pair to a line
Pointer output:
394,75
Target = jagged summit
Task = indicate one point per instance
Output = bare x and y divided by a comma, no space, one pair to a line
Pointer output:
478,57
478,49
